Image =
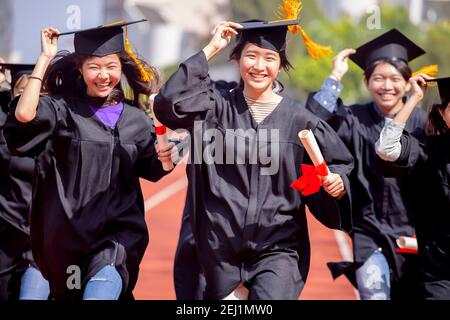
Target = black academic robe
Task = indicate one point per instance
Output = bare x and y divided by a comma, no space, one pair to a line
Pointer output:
249,225
429,165
16,174
188,277
87,209
382,206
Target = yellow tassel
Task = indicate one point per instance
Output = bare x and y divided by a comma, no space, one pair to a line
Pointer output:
146,75
290,10
315,50
430,70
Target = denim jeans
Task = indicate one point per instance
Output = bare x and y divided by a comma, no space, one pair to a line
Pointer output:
373,278
33,285
106,284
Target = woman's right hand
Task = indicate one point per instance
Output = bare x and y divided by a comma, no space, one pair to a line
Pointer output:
340,64
221,37
49,42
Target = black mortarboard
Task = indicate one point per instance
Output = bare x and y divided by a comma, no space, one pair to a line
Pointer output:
100,41
392,45
266,34
17,70
444,88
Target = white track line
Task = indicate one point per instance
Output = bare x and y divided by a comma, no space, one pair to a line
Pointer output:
346,252
165,193
344,248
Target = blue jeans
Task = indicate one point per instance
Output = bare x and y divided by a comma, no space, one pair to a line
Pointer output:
33,285
373,278
104,285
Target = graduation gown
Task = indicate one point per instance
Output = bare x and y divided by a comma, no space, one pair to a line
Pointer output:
87,209
249,225
429,165
16,174
382,203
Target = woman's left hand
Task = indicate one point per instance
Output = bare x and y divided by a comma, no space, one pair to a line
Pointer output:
333,185
169,153
418,86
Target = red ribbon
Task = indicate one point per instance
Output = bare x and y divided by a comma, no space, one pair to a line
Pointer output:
310,182
405,250
160,130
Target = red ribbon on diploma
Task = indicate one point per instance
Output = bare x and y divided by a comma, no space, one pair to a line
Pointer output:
310,182
160,130
407,250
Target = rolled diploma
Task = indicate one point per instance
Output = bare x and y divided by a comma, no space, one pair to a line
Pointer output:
407,243
312,148
162,138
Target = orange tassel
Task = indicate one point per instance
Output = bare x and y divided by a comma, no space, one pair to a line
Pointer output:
315,50
145,75
290,10
431,70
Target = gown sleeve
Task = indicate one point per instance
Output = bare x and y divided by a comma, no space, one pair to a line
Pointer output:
187,95
333,213
30,139
341,119
413,153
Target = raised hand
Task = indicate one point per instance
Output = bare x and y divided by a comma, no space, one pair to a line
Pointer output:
340,64
49,42
221,37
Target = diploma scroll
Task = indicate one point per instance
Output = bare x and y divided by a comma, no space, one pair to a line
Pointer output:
310,181
312,148
407,243
161,135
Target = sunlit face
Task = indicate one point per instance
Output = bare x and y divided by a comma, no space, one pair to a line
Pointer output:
387,87
446,115
19,86
101,74
258,68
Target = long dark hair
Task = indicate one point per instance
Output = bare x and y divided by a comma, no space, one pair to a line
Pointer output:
64,78
436,124
400,65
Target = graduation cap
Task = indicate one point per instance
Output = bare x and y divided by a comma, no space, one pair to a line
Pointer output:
266,34
106,39
100,41
17,70
444,88
392,45
272,34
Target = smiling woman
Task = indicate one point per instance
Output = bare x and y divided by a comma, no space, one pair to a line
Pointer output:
248,223
101,74
381,204
91,147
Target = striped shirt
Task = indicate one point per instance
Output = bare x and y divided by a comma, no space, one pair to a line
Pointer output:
261,109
